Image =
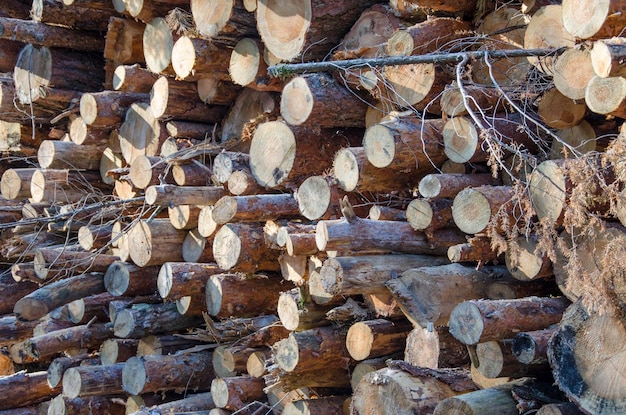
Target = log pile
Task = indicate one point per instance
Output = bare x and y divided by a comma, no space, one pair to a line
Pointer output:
181,231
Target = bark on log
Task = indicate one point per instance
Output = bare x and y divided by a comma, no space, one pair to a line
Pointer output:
378,212
230,361
255,208
89,309
248,67
497,398
330,405
376,338
317,100
223,23
110,405
230,294
190,371
429,215
559,111
124,41
58,366
406,6
314,29
566,408
144,319
496,360
108,108
81,133
93,380
54,154
179,279
193,130
158,42
164,195
200,402
124,279
196,58
607,56
15,183
132,78
588,19
155,242
13,330
22,389
184,217
607,95
241,247
476,209
449,185
45,299
434,348
297,313
117,350
477,321
140,134
319,197
54,263
532,347
164,344
234,393
193,174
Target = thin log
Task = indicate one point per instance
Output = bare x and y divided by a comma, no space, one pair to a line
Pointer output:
13,330
248,67
58,366
108,108
255,208
331,405
298,313
477,98
607,57
429,215
179,279
532,347
375,338
132,78
165,195
144,319
524,262
213,90
23,389
225,23
89,309
54,262
230,361
474,209
450,184
117,350
496,360
62,405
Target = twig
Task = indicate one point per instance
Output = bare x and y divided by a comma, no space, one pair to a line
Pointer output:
286,69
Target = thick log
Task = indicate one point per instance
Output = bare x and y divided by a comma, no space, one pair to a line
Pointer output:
125,279
213,90
607,95
108,108
93,380
58,366
607,56
376,338
54,262
144,319
196,58
496,360
525,261
89,309
372,235
192,371
117,350
164,195
282,155
241,247
53,154
449,185
572,72
559,111
236,392
433,348
199,402
23,389
192,174
476,209
313,30
256,208
248,67
81,133
498,399
317,100
550,18
43,347
45,299
588,19
50,36
230,361
197,248
179,279
230,294
158,42
368,274
15,183
479,321
297,312
111,405
140,134
223,23
133,78
39,68
155,242
412,393
13,330
148,171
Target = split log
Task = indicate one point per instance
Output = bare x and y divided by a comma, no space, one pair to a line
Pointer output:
372,235
497,398
153,242
195,58
93,380
318,100
248,67
256,208
476,209
158,42
230,294
179,279
117,350
62,405
589,19
58,366
54,263
433,348
477,99
476,321
108,108
559,111
164,195
607,95
50,36
223,23
368,274
45,299
412,393
572,72
53,154
124,41
376,338
314,30
548,17
124,279
190,371
236,392
38,68
281,155
241,247
144,319
43,347
133,78
532,347
24,389
606,57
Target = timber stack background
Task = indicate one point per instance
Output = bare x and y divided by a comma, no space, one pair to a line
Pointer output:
182,232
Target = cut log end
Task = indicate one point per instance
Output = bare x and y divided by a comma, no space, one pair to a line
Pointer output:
134,376
471,211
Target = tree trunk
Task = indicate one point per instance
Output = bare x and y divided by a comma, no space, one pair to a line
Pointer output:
23,389
241,247
81,133
144,319
117,350
89,309
148,171
125,279
231,294
164,195
248,67
146,374
197,248
54,154
140,134
230,361
588,19
108,108
179,279
498,399
155,242
478,99
566,408
255,208
111,405
477,321
607,95
434,348
195,58
227,162
124,41
93,380
606,57
376,338
319,197
496,360
236,392
532,347
223,23
133,78
429,215
49,36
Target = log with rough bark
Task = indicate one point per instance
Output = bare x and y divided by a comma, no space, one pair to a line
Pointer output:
590,19
155,242
607,56
124,41
380,212
248,67
132,78
38,68
184,216
419,392
318,100
476,98
427,36
13,330
191,174
42,347
256,208
477,321
53,154
312,30
429,215
111,405
498,399
108,108
476,209
125,279
143,319
434,347
330,405
243,295
166,194
81,133
89,309
22,389
496,360
13,291
223,23
199,402
372,235
196,58
217,91
117,350
179,279
283,155
45,299
141,134
59,365
191,371
64,186
93,380
355,275
531,347
234,393
241,247
297,312
376,338
54,262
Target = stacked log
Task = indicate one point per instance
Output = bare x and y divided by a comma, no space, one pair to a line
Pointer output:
438,237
